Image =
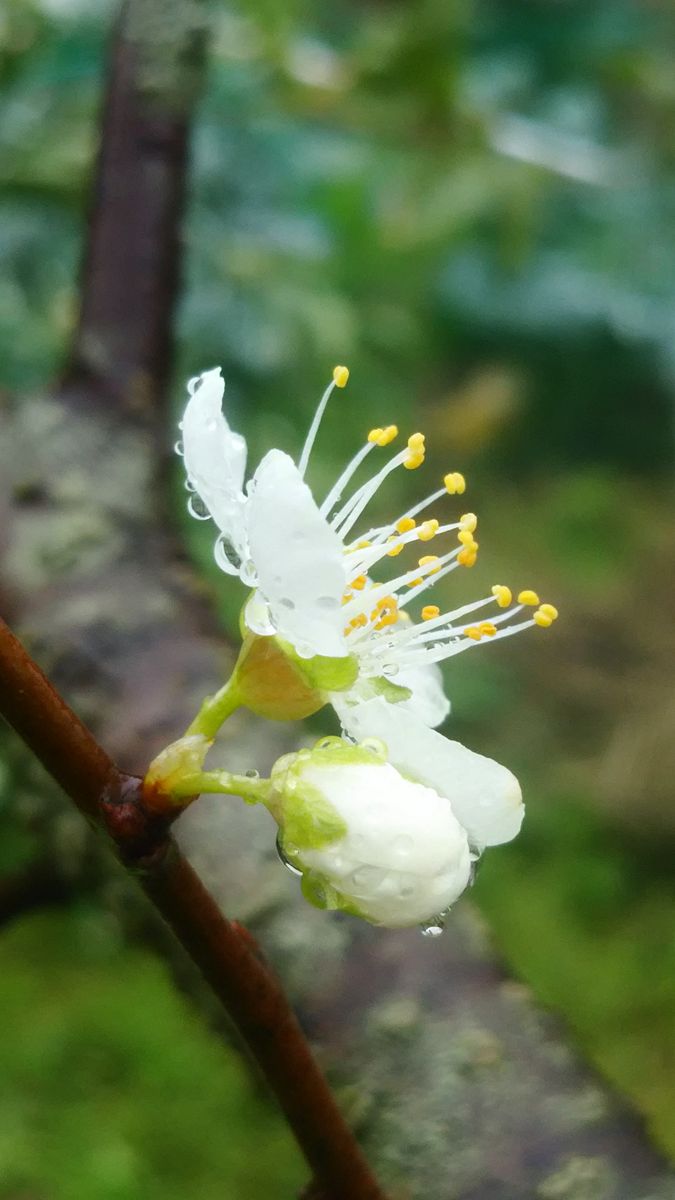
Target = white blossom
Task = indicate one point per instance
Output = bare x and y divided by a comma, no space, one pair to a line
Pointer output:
316,573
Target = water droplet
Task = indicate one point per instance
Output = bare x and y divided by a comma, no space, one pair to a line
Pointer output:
367,877
327,743
178,447
248,574
198,509
193,384
304,650
283,855
433,928
287,603
390,669
226,556
252,773
189,486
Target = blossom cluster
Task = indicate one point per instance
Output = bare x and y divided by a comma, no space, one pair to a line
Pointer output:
386,821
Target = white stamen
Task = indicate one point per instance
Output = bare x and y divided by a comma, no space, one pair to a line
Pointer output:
351,511
314,428
336,491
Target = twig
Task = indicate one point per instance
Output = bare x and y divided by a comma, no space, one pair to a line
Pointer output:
224,951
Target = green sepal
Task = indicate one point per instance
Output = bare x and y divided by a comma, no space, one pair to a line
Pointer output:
320,672
394,693
309,821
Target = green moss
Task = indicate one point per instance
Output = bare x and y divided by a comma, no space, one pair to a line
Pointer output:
112,1087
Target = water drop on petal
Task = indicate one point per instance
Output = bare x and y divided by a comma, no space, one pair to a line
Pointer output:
283,856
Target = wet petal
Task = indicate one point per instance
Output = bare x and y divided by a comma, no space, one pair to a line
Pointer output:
215,457
485,797
298,559
428,702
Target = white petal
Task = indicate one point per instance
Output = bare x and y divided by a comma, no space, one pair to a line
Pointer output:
215,457
404,858
428,702
298,559
485,797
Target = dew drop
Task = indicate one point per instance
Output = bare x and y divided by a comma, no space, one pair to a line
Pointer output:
248,574
283,856
327,743
390,669
252,773
433,928
179,448
226,556
198,509
367,877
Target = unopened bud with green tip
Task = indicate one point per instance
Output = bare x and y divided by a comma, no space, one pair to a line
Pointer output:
366,839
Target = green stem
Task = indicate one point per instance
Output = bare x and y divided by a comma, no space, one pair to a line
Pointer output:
253,791
216,709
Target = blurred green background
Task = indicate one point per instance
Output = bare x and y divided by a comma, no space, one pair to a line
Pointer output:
473,205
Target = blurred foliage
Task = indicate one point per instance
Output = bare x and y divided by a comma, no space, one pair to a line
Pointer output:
470,202
112,1087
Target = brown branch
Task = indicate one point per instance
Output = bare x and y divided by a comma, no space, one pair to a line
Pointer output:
130,274
224,951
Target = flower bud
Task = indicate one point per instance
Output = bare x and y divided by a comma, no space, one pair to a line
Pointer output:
367,840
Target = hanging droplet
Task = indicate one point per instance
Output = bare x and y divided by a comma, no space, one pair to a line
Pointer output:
328,743
197,508
248,574
433,928
283,856
252,773
226,556
179,448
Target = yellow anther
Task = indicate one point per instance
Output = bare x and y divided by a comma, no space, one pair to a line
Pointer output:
416,448
388,435
541,619
363,545
340,376
465,536
384,606
359,583
528,597
375,435
467,556
387,619
347,596
473,633
405,524
455,483
502,595
430,611
415,582
428,529
549,610
415,461
427,559
468,522
487,628
395,550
